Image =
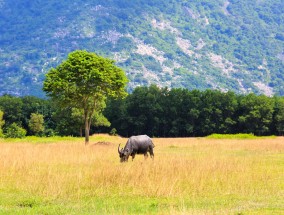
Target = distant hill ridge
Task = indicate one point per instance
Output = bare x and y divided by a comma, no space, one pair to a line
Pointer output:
225,45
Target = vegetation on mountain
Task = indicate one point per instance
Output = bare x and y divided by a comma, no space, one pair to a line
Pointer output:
226,45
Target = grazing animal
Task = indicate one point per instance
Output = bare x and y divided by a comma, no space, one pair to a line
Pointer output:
141,144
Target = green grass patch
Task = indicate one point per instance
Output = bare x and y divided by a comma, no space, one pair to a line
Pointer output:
42,140
55,139
237,136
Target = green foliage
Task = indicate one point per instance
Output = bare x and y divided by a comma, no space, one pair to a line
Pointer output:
2,122
98,119
34,105
82,77
15,131
144,110
12,107
36,124
279,115
49,132
68,121
19,110
256,114
113,132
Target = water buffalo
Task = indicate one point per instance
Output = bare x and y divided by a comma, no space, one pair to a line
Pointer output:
141,144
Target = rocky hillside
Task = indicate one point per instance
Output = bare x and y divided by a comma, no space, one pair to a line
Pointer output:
225,45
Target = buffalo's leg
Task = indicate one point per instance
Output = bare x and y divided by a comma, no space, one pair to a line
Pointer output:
146,155
133,156
151,152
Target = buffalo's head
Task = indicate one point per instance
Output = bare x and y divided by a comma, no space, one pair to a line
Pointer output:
123,154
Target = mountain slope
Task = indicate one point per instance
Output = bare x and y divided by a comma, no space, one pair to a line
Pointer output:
225,45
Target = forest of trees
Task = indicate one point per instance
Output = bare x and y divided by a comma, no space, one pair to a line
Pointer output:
158,112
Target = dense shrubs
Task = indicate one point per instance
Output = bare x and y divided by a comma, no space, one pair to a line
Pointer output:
15,131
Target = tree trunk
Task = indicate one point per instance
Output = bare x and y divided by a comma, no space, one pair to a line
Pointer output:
87,132
88,121
87,128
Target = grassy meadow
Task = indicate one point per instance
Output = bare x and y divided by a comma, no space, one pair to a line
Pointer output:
187,176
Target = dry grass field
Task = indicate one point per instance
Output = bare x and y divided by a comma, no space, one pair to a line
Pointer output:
187,176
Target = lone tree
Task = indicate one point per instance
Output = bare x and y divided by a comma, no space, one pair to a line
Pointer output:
84,81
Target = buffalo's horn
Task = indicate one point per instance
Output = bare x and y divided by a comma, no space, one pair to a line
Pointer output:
118,149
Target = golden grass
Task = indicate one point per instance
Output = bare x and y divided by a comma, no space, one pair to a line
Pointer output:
188,176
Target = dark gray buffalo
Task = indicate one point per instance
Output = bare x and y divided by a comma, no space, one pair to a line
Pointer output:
141,144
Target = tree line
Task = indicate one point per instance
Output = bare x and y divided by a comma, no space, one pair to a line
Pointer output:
159,112
164,112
